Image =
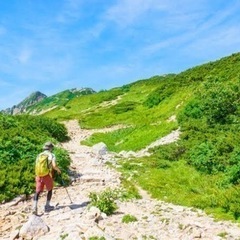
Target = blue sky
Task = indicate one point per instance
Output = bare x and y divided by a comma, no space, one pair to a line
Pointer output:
54,45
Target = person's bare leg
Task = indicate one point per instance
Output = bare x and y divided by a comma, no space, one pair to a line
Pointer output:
35,202
48,207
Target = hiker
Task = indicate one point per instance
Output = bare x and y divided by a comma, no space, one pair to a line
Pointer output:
44,166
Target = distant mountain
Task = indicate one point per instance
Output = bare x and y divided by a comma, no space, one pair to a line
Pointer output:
58,100
21,107
37,102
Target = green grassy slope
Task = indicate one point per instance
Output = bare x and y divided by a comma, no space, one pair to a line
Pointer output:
127,105
204,163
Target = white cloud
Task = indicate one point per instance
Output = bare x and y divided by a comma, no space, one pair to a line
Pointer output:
71,11
24,55
126,12
219,43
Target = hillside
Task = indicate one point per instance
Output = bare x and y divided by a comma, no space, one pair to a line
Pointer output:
201,104
140,218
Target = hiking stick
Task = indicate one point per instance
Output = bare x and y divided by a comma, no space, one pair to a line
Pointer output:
63,183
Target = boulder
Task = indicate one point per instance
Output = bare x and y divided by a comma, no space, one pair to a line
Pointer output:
34,227
100,149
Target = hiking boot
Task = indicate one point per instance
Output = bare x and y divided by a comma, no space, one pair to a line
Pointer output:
34,211
48,208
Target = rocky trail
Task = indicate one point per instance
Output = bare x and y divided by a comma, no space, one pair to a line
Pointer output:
72,219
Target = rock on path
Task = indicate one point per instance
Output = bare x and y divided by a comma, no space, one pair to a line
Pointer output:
74,220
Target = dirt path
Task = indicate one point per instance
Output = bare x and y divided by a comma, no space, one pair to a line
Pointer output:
73,220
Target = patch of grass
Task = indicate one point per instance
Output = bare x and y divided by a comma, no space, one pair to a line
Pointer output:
125,139
223,234
128,191
128,218
97,238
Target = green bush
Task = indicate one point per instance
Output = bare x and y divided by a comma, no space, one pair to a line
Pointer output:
21,139
193,109
170,152
233,168
53,128
104,201
124,107
220,101
202,157
231,202
165,90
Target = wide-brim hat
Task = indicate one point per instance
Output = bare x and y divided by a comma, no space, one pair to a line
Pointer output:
48,146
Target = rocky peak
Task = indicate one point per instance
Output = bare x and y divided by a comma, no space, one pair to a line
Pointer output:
21,107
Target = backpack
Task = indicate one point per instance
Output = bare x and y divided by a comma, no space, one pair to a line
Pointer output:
42,166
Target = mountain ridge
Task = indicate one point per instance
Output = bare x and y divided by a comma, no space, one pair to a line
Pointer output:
32,103
30,100
194,74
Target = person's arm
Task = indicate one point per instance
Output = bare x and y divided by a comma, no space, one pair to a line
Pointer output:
54,165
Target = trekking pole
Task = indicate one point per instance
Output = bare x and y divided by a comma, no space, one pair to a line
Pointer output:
63,183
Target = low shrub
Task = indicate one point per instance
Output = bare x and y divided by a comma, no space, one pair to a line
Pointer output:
104,201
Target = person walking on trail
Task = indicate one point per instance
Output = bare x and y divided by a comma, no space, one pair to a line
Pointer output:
44,166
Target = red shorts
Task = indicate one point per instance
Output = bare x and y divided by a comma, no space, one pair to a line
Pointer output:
44,181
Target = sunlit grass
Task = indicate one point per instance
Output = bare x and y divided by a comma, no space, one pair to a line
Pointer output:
131,138
150,109
180,184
